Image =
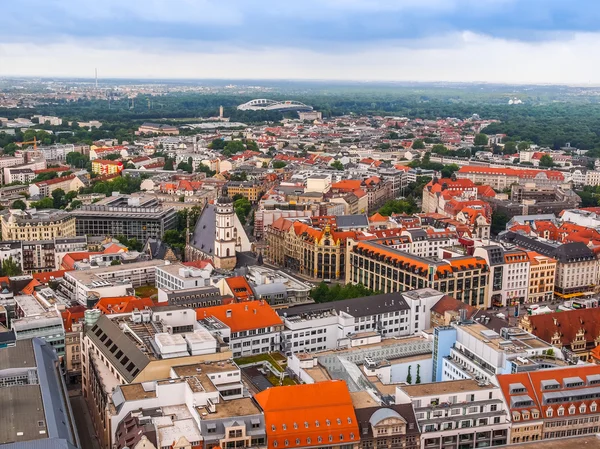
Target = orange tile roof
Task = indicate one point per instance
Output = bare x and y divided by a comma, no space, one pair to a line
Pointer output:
378,217
107,162
29,288
347,185
72,315
55,181
243,316
122,304
240,288
201,264
526,174
309,415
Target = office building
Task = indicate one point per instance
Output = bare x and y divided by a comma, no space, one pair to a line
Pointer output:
32,224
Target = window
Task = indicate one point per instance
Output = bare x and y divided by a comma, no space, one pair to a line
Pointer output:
286,442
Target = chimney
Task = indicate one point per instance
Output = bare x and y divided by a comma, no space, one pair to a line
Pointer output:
463,315
228,313
254,311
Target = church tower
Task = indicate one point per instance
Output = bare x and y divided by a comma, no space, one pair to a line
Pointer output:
226,234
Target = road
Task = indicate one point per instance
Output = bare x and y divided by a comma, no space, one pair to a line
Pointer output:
83,421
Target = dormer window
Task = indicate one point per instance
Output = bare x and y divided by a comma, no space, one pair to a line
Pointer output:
560,411
593,407
549,413
572,410
582,408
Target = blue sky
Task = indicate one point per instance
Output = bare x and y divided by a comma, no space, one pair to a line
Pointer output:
546,41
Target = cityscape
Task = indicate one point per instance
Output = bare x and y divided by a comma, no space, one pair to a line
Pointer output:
267,229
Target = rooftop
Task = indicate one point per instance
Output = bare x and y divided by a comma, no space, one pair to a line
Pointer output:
232,408
437,388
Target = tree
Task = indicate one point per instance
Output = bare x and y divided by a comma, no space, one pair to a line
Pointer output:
203,168
418,144
169,164
115,262
404,206
75,204
499,221
481,140
510,147
279,164
185,166
76,159
58,198
217,144
546,161
325,293
448,170
409,376
233,147
44,203
251,145
337,165
523,146
418,380
11,268
19,204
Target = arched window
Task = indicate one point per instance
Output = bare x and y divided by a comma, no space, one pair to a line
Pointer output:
227,252
228,235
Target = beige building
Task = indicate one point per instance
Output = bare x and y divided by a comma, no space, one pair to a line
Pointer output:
30,225
73,351
542,271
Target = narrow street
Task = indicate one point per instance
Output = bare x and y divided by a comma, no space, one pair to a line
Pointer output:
83,421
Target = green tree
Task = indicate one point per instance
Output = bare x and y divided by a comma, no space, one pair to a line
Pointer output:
169,164
523,145
418,144
325,293
44,203
58,198
217,144
75,204
499,221
233,147
19,204
418,380
115,262
337,165
404,206
203,168
546,161
448,170
11,268
409,375
76,159
185,166
279,164
251,145
481,140
510,147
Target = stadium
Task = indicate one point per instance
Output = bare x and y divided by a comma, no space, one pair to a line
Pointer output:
263,104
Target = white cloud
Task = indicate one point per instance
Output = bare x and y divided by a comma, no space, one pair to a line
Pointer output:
457,57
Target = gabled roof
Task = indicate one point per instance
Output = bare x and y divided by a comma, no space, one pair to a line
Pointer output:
566,324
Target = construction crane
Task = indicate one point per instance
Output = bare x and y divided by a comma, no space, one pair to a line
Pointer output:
34,142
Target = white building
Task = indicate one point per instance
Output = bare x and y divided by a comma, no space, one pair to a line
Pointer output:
12,249
118,280
180,277
457,413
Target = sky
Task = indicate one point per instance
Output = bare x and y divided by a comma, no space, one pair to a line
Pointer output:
495,41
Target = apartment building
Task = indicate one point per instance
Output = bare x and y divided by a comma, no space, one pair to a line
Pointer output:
460,413
576,264
248,328
509,274
12,249
386,269
550,404
177,276
428,242
319,327
542,274
502,178
106,167
68,183
200,405
471,350
249,190
143,346
37,225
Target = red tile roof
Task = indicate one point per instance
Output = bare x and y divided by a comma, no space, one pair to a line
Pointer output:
122,304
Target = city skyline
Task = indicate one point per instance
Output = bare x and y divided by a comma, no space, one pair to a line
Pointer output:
496,41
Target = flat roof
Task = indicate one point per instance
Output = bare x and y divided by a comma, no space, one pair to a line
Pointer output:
451,386
231,409
22,417
208,368
132,392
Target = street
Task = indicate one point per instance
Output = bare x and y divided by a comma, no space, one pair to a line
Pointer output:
83,421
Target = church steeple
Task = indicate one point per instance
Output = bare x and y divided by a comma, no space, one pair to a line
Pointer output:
225,234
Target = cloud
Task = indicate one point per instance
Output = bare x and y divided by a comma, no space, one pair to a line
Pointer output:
459,57
456,40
